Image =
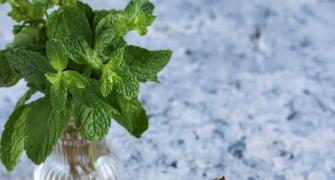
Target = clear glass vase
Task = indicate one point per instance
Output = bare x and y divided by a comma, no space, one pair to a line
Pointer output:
77,159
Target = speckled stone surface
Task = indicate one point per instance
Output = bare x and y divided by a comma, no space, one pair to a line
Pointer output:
249,93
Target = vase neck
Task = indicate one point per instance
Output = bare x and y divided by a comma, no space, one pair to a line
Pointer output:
78,154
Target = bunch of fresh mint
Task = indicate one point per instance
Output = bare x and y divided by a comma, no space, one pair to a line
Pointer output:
78,58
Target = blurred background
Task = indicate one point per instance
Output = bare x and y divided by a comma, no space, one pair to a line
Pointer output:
249,93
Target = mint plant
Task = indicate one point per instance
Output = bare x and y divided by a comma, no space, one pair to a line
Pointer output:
78,58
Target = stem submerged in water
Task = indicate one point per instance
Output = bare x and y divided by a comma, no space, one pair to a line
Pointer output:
79,154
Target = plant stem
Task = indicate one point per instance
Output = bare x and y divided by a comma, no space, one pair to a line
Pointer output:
75,154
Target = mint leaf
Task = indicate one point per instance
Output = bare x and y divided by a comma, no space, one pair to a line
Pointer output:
77,48
45,3
52,3
56,53
60,83
131,115
43,129
80,52
27,95
75,79
145,64
69,21
23,10
71,3
93,122
93,115
116,58
31,66
142,22
127,85
100,14
137,16
58,92
140,13
114,75
106,38
108,79
113,25
7,76
85,8
30,37
107,44
12,140
126,68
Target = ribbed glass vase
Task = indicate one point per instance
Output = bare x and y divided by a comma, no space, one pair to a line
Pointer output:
77,159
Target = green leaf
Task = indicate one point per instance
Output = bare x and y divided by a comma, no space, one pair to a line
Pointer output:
70,3
108,79
7,76
137,16
17,28
56,53
12,140
60,83
114,75
86,9
30,37
80,52
140,12
107,44
142,22
93,115
58,92
77,48
131,116
27,95
76,79
43,129
69,21
116,58
113,25
145,64
127,85
52,3
45,3
100,14
31,66
23,10
135,7
93,122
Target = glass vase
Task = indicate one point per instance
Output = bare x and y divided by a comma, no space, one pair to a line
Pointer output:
77,159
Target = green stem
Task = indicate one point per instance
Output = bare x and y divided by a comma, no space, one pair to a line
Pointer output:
91,155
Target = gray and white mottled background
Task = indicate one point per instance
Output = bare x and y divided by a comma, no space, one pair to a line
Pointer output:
249,93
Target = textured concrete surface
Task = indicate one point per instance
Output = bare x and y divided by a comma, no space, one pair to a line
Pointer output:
249,93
